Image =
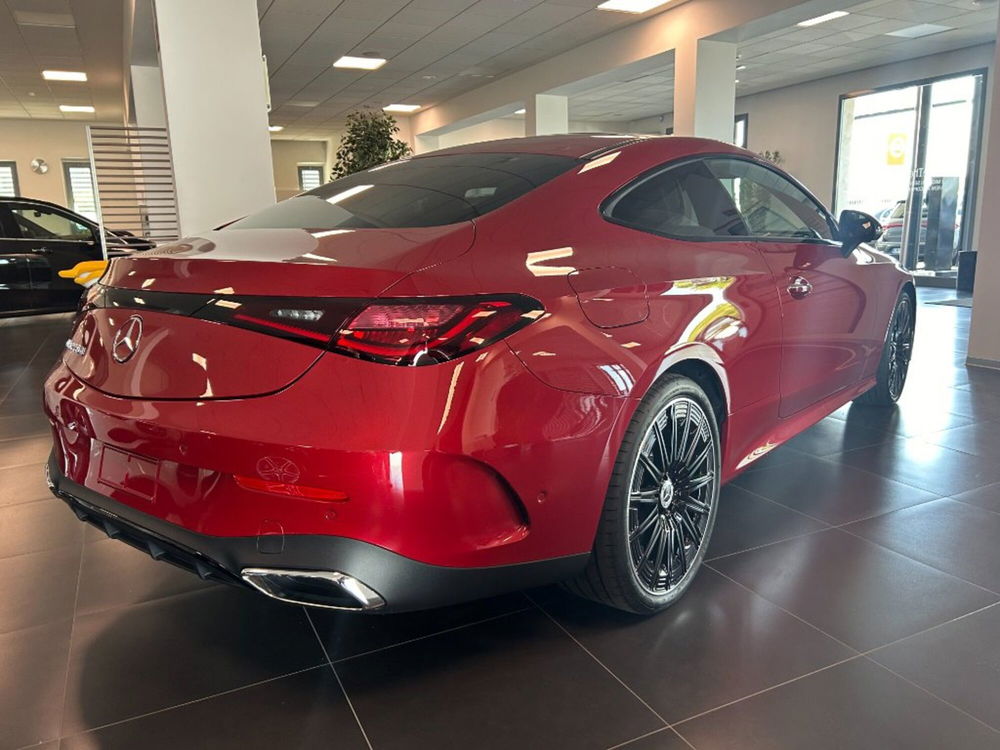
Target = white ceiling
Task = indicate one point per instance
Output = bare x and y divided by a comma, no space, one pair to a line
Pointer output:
37,35
440,48
436,50
793,55
634,98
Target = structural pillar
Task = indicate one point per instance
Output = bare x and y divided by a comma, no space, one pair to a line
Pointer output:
546,114
984,335
215,97
705,89
147,96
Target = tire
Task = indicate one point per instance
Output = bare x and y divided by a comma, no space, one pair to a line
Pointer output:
637,564
896,353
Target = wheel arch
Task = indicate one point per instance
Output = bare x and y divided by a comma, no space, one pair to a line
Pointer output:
910,288
708,380
702,364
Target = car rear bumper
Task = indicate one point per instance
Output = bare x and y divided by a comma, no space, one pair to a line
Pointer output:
441,465
387,582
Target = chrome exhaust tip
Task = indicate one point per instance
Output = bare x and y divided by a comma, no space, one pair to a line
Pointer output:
328,589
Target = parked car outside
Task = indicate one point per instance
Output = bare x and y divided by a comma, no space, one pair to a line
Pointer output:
892,235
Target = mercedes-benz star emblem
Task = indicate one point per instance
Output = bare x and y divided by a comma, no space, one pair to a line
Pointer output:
127,340
277,469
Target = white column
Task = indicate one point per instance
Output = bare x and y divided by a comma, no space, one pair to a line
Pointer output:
705,89
984,335
147,96
214,90
546,114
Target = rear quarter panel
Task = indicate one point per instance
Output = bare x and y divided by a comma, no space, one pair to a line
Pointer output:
715,302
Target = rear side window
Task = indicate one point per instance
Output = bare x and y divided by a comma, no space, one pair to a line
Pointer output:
771,204
686,201
422,192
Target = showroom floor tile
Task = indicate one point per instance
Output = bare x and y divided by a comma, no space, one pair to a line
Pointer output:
861,593
850,600
857,705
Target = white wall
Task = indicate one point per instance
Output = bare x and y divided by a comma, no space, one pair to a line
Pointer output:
512,127
287,156
984,337
147,96
492,130
656,125
51,140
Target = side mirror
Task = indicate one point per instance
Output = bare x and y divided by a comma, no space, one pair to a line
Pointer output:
857,227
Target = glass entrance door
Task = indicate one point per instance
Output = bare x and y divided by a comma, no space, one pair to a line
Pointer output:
909,156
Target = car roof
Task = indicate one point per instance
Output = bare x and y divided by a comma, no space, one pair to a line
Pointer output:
40,202
588,145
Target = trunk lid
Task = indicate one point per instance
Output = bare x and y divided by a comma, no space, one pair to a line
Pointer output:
290,262
155,334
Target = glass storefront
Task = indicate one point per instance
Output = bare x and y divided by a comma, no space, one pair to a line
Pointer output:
914,146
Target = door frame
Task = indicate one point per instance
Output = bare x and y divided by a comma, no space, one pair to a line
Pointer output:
971,198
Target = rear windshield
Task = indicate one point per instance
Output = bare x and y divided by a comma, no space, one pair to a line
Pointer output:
423,192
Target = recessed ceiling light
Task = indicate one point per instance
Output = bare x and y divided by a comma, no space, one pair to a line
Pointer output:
741,67
520,111
631,6
360,63
824,18
920,30
401,108
275,128
75,108
42,18
64,75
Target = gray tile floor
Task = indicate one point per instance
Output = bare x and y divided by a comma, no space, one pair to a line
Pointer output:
850,600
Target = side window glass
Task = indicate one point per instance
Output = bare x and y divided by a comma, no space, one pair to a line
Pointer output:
40,224
7,228
771,205
686,201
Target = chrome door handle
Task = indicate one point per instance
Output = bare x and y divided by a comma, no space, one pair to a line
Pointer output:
799,287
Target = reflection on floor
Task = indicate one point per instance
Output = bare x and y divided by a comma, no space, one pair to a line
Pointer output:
851,601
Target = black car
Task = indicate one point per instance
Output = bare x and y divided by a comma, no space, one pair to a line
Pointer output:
39,239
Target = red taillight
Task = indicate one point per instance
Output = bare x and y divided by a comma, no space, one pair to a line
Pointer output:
282,327
420,332
396,331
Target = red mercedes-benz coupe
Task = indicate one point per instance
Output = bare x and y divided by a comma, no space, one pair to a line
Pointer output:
472,371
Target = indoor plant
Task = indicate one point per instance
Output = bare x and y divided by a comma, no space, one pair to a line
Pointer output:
369,141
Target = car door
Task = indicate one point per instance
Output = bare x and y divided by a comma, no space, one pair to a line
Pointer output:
711,294
53,241
15,282
828,313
